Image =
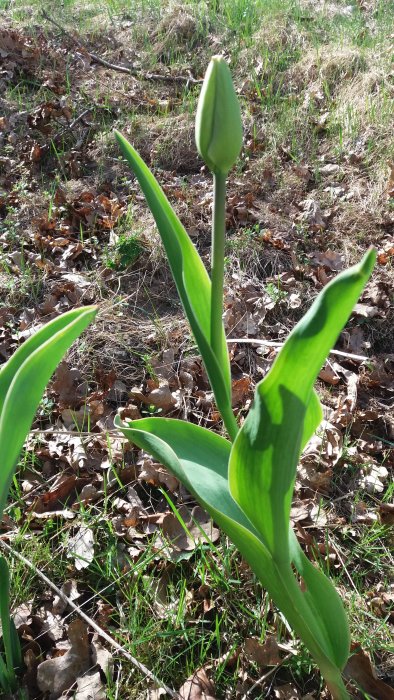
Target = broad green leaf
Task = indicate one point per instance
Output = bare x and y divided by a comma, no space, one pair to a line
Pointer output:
191,279
199,458
265,454
5,614
324,604
24,384
9,369
196,456
313,418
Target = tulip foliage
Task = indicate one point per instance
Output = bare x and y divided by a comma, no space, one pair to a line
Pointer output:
246,482
23,379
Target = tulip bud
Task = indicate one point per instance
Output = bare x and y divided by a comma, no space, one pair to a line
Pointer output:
218,119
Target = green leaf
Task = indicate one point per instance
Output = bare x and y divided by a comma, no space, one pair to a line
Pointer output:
324,603
191,279
265,454
6,622
9,369
199,459
196,456
22,383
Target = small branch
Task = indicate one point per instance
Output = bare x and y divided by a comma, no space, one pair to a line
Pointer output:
275,344
263,678
189,80
92,623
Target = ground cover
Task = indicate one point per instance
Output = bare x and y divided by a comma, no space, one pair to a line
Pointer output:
312,190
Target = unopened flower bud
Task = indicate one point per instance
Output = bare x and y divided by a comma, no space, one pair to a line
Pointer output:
218,119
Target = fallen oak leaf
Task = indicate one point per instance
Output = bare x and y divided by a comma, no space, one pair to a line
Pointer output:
328,375
386,512
287,692
90,687
360,670
60,673
197,687
263,654
81,547
65,492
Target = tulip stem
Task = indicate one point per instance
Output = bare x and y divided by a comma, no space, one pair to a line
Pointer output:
217,268
217,279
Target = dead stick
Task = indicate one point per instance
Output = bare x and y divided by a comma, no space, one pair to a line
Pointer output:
275,344
104,635
263,678
189,80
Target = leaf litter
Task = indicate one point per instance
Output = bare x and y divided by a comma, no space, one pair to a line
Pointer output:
288,249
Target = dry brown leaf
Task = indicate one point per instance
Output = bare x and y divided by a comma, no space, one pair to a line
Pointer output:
355,341
176,540
294,300
245,308
65,384
320,456
287,692
155,474
161,398
365,310
60,673
330,258
197,687
68,589
361,514
372,478
63,493
312,215
81,548
328,375
90,687
386,511
360,670
155,693
263,654
329,169
240,390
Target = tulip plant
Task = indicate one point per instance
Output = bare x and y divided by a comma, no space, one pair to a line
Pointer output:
246,481
23,379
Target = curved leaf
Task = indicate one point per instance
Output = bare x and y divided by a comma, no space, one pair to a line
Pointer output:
196,456
265,454
24,378
324,603
9,369
191,279
199,458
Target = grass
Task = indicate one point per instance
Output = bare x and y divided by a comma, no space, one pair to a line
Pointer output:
315,89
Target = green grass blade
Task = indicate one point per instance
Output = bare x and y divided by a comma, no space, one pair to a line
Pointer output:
27,386
191,279
15,645
265,454
5,681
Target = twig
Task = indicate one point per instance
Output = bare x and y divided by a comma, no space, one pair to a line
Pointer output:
104,635
261,680
275,344
189,80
